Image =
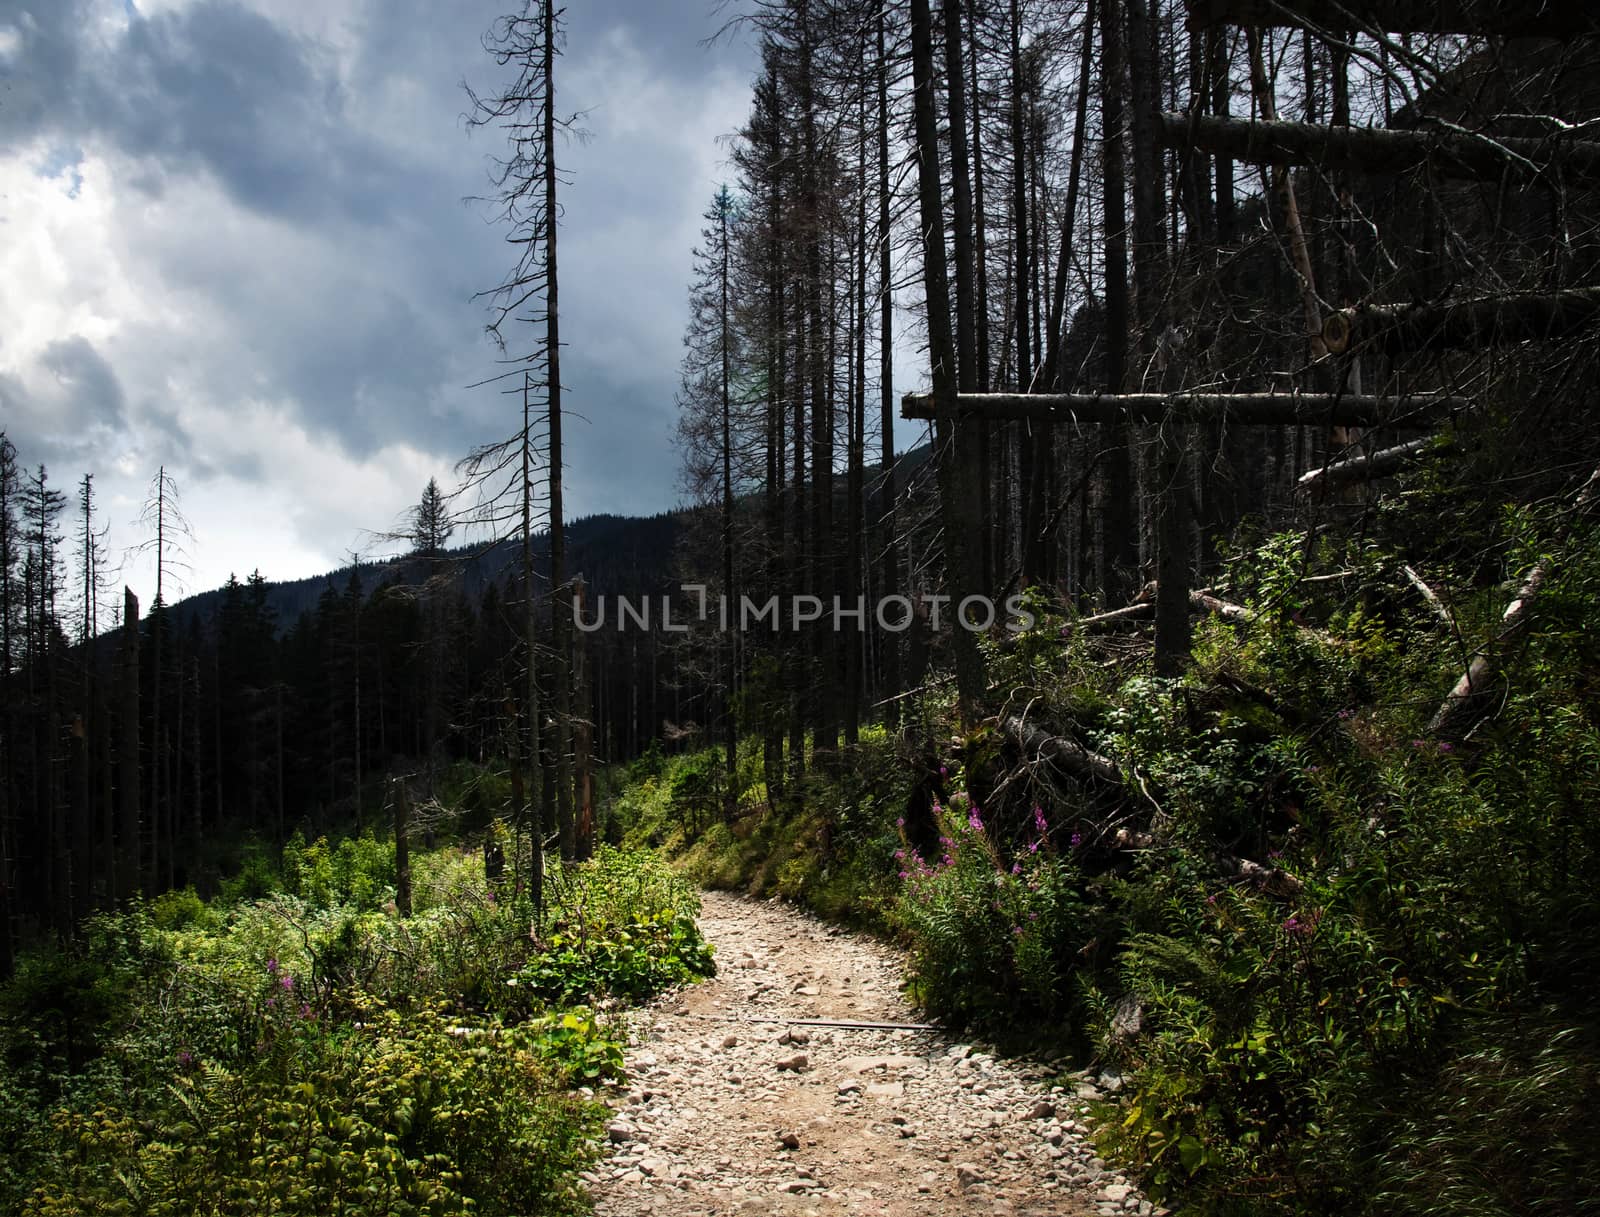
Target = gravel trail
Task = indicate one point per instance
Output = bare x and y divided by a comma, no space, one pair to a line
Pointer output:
734,1107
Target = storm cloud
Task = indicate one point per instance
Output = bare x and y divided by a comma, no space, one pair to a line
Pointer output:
236,243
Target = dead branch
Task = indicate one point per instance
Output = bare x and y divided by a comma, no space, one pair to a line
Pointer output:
1468,699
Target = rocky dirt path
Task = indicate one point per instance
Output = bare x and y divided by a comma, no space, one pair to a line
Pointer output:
734,1106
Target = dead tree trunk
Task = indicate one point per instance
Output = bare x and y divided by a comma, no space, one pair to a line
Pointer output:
128,749
1490,321
1273,409
1377,151
953,460
1513,18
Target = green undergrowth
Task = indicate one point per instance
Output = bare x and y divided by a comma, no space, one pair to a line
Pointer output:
1346,965
829,846
310,1051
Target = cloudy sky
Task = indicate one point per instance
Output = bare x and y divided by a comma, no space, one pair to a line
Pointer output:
233,242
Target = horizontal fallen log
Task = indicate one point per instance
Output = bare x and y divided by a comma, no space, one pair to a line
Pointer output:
1207,603
1268,878
1513,18
1372,150
1361,468
1271,409
1038,745
1490,321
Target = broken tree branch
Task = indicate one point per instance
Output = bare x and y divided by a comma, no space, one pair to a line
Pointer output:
1431,597
1466,701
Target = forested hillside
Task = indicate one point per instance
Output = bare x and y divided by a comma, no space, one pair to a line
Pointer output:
1207,700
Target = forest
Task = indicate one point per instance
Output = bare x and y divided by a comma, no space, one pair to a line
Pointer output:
1249,349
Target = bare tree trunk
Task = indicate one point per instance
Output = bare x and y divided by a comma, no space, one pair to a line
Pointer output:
955,500
129,843
560,616
1119,538
886,499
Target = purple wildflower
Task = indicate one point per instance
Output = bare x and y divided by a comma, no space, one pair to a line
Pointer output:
185,1059
900,823
1212,898
287,982
905,874
305,1010
943,772
1077,839
974,821
1017,930
272,967
1033,847
1419,743
1445,746
1039,820
1016,868
899,855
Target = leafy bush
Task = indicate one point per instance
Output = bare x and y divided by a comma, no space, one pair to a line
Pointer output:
312,1052
992,943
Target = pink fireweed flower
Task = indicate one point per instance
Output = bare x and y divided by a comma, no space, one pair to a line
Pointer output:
1039,820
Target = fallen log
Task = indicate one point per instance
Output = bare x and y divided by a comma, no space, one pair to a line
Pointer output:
1377,151
1468,698
1512,18
1360,468
1273,409
1487,321
1039,746
1207,603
